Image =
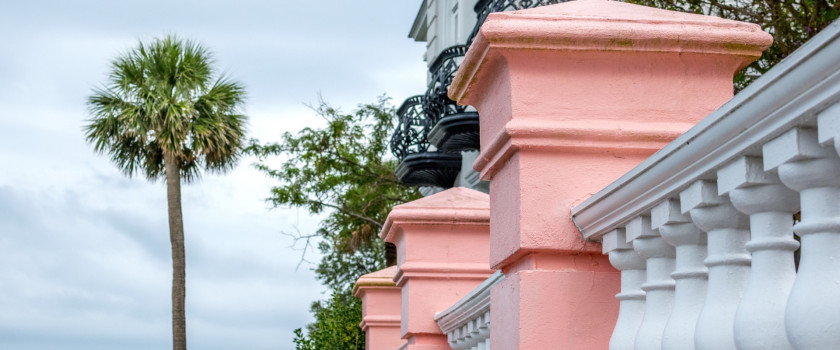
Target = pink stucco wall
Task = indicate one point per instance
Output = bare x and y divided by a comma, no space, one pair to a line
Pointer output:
570,97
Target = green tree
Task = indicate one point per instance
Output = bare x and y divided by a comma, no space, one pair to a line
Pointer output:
164,113
790,22
344,170
337,325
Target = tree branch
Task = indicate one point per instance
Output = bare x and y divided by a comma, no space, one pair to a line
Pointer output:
345,211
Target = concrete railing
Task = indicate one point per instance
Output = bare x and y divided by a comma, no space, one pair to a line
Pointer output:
704,230
467,323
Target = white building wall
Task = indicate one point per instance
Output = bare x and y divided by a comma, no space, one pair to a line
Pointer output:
442,24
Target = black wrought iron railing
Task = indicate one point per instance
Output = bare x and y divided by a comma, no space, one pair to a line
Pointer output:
437,103
412,130
452,127
485,7
420,166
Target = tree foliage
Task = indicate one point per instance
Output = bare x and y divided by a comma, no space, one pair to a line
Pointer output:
337,325
163,98
343,170
790,22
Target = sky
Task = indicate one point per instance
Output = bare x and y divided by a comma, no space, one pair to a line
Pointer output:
84,250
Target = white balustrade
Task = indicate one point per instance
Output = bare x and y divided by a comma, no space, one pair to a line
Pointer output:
632,297
467,323
658,286
811,316
473,335
759,322
728,262
690,275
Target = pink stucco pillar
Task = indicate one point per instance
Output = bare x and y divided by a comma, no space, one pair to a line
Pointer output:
380,309
570,97
442,252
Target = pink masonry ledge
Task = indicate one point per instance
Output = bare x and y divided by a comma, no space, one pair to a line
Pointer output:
442,254
380,309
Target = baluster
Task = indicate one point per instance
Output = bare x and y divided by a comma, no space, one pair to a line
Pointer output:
813,308
759,321
484,332
658,287
728,262
632,298
690,275
464,340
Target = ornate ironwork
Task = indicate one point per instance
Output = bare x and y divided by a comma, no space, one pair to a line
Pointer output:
485,7
409,143
452,127
412,129
437,103
429,169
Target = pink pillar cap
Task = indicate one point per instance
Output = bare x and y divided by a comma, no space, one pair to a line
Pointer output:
579,26
457,206
596,35
381,278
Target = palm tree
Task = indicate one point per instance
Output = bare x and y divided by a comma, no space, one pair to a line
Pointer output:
165,115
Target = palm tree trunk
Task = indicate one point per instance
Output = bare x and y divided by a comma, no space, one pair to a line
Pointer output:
176,238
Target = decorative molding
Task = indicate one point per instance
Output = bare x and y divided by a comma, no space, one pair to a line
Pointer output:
449,271
574,135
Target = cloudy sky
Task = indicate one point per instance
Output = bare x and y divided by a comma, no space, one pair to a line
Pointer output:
84,251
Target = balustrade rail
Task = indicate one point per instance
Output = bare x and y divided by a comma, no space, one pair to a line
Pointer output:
467,323
703,231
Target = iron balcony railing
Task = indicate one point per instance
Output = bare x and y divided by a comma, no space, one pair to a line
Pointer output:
420,166
412,128
453,128
437,103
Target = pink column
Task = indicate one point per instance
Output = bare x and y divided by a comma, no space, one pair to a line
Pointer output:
572,96
442,252
380,309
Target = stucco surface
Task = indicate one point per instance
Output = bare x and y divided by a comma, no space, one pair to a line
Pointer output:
381,309
442,254
570,97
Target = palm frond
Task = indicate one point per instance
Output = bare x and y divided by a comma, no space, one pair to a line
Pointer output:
162,98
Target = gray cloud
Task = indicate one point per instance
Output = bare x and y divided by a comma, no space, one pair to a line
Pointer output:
84,251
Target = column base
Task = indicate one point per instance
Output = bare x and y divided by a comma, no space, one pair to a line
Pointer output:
554,309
